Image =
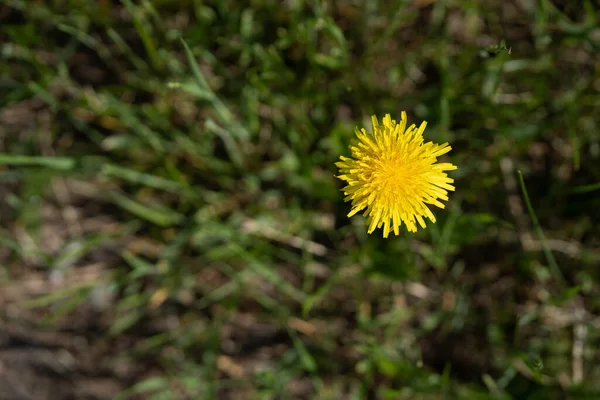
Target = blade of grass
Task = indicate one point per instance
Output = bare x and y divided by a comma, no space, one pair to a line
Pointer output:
140,267
587,188
223,112
232,148
306,359
140,27
268,274
125,49
198,75
44,94
536,224
160,216
60,163
70,303
128,116
58,295
146,387
224,291
141,178
90,41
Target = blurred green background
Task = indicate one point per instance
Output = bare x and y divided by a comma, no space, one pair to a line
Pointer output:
171,227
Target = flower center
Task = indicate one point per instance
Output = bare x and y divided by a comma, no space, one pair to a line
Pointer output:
395,176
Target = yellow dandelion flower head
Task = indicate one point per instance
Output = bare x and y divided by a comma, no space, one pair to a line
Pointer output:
395,176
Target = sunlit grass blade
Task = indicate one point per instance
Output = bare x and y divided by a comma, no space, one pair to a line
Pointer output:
198,75
60,163
141,178
158,215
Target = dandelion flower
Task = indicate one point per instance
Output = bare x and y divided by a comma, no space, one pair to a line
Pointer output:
395,176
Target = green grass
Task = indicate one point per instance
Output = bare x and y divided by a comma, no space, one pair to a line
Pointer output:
188,148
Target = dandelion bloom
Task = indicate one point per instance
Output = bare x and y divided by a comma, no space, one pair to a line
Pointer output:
394,175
